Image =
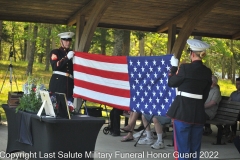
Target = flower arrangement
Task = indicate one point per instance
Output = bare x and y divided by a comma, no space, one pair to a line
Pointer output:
31,100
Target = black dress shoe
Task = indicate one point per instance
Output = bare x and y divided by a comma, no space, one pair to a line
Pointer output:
207,131
115,134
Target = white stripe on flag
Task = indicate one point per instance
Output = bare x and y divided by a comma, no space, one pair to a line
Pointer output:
113,67
101,81
103,97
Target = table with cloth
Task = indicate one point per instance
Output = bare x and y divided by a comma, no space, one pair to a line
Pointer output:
51,138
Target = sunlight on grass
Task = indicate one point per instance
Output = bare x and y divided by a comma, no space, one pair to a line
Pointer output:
226,87
19,78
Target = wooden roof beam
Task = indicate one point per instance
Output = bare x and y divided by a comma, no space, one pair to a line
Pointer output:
171,37
236,36
87,31
133,28
81,11
194,18
92,23
79,30
175,20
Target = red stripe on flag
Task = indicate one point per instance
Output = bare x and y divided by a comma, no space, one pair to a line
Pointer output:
102,89
102,58
175,142
101,73
102,102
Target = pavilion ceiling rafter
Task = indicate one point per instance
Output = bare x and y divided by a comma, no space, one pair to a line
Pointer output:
223,21
193,19
82,11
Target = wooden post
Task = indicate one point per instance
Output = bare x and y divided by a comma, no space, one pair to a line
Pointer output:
171,38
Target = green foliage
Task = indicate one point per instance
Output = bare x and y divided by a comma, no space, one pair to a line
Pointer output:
102,41
226,87
155,44
236,52
5,35
219,56
139,34
21,78
29,102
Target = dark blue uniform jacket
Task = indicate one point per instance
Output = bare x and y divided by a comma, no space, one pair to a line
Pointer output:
193,78
60,62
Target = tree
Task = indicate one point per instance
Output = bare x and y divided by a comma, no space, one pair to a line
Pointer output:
236,57
1,28
33,49
140,36
155,44
222,57
25,42
102,41
6,39
13,36
48,41
118,42
29,38
126,42
122,42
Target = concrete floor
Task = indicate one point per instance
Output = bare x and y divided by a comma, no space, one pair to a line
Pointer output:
108,145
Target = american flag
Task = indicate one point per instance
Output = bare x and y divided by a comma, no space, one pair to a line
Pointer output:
138,84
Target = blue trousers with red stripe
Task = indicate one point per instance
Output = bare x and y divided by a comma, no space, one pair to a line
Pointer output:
187,140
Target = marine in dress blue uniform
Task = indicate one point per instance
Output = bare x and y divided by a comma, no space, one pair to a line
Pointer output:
193,81
62,66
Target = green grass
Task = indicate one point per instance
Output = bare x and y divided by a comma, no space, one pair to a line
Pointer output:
19,78
19,72
19,69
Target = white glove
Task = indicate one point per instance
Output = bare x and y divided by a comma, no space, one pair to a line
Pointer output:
70,54
174,61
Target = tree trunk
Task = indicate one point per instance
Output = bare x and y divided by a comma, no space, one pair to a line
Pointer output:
223,68
126,43
25,43
233,64
229,68
53,44
48,41
41,55
1,27
21,49
233,70
13,42
118,42
31,58
122,43
141,47
28,50
103,40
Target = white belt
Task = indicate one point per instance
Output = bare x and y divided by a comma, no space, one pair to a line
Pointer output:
63,74
190,95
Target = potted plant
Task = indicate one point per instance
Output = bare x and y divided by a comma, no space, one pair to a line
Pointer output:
31,101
